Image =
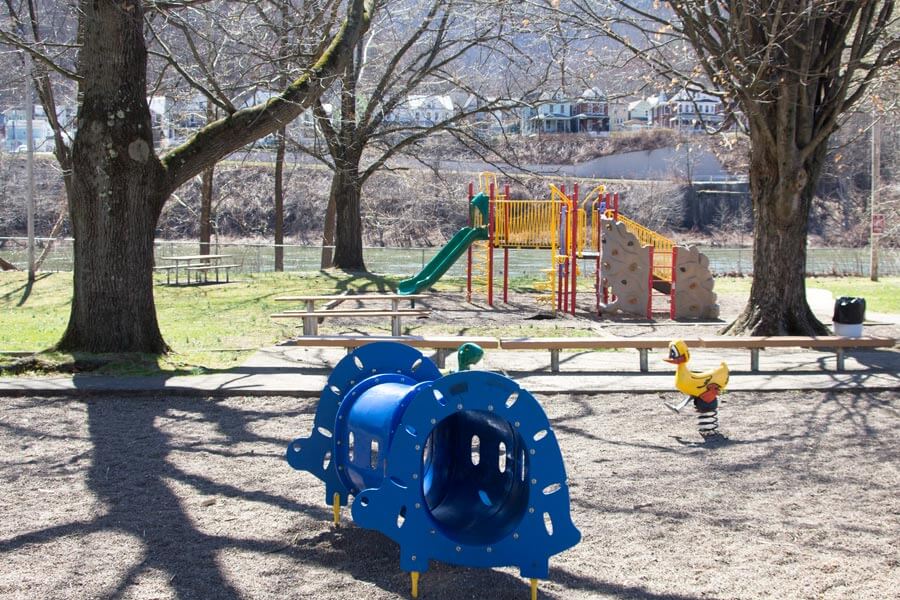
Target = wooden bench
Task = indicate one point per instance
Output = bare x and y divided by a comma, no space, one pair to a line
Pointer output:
205,269
555,344
310,301
311,317
643,345
756,343
444,345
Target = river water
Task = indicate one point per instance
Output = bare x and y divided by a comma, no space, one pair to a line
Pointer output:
258,257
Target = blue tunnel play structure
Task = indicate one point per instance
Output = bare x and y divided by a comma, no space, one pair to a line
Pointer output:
462,468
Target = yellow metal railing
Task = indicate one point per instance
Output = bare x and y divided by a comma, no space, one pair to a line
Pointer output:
479,266
524,223
581,231
662,246
485,179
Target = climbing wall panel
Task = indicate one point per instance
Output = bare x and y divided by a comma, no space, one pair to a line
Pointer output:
625,266
694,295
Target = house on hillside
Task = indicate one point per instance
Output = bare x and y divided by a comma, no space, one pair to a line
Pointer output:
641,113
15,126
548,113
690,110
160,120
590,113
422,110
504,119
618,115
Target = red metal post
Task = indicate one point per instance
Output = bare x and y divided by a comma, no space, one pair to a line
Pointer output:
469,251
650,285
564,250
672,311
506,244
490,266
560,235
616,206
597,269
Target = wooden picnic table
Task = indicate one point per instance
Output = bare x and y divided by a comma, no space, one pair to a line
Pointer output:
310,300
312,316
197,263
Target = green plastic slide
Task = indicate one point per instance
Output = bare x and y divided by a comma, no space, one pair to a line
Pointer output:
442,261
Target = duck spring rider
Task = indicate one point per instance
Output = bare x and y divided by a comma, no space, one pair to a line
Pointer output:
463,468
703,388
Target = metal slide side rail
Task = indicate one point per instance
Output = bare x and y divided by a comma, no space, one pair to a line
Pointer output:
662,246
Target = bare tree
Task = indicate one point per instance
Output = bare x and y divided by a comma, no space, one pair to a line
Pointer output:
212,57
117,184
791,68
414,53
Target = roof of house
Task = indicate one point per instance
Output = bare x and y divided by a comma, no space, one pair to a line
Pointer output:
426,101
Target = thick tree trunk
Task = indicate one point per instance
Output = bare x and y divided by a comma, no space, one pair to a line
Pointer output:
346,187
117,189
279,201
117,186
207,179
781,187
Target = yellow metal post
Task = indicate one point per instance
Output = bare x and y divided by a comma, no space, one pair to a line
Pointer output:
336,507
415,584
534,589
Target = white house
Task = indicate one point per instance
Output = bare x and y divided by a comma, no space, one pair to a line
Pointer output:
423,110
640,113
618,115
549,113
14,127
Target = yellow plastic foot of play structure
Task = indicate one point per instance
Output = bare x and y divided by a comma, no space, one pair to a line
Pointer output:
534,589
336,507
415,584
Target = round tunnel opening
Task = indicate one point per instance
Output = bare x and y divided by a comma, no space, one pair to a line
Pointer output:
475,477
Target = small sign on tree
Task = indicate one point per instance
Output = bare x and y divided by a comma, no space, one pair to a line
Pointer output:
877,224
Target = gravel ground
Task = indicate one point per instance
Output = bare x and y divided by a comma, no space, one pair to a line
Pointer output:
174,497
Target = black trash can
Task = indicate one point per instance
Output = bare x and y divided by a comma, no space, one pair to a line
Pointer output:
849,314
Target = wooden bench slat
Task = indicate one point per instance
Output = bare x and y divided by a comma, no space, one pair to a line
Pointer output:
300,314
825,341
351,297
643,345
352,341
209,267
585,343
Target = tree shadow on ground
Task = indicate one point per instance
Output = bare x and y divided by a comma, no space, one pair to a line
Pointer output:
132,471
25,289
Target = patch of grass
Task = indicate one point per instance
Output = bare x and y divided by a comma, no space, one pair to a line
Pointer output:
882,296
33,316
733,285
217,327
208,327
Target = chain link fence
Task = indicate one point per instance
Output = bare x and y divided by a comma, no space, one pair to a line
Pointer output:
260,258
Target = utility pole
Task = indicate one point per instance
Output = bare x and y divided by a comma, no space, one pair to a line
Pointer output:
29,168
876,172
